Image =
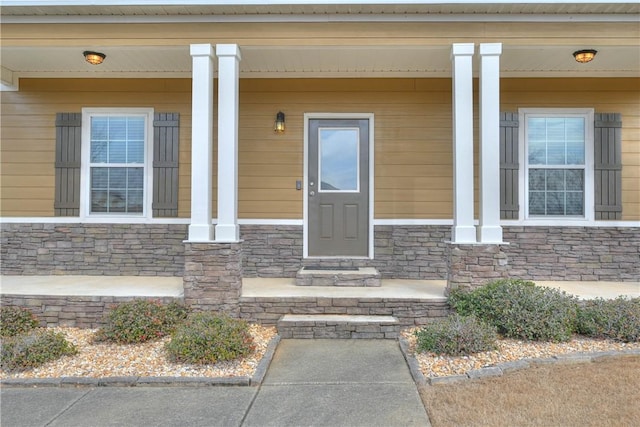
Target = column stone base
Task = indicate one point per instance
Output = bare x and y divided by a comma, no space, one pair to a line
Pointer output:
213,277
471,266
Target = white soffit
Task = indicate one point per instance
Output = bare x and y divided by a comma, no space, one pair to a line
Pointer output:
325,61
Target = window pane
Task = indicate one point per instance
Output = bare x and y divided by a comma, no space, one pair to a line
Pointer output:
117,128
135,152
117,178
117,200
575,203
99,128
117,152
135,178
537,181
555,203
538,153
134,201
99,201
555,180
537,130
575,152
339,159
99,178
135,130
575,128
555,129
98,151
536,203
556,153
575,179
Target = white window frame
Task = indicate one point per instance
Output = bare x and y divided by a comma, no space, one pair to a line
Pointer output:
589,202
85,169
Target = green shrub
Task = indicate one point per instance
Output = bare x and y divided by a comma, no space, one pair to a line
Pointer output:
617,319
15,321
141,320
34,349
520,309
456,336
208,338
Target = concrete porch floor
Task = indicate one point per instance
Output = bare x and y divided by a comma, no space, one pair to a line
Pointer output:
151,286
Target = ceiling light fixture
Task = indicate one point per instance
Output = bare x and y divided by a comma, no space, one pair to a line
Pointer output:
94,58
585,55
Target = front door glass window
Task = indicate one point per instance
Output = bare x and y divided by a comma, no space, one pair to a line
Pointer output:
338,159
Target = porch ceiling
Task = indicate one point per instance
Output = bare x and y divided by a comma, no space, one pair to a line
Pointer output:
313,62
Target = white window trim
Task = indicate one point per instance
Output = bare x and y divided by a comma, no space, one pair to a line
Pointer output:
589,202
85,182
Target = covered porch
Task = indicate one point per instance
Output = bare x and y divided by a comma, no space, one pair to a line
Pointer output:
75,300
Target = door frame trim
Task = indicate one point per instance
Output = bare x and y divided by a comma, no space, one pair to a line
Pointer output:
305,168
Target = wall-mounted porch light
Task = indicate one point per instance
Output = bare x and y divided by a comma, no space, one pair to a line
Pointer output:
278,126
93,58
585,55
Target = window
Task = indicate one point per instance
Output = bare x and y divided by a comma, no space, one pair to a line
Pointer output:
339,159
115,161
558,163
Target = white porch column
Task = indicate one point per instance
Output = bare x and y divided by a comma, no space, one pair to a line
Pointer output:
463,230
227,229
200,229
489,230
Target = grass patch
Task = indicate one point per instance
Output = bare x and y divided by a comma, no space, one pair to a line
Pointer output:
603,393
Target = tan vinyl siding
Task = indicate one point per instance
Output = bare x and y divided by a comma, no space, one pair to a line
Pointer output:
605,96
413,156
412,142
27,135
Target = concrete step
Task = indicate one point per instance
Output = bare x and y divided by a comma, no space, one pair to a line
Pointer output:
333,276
338,326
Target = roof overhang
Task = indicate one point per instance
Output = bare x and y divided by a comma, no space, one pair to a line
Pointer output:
537,58
312,10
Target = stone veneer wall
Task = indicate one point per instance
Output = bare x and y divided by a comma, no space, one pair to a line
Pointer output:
471,266
213,277
573,253
412,251
271,250
73,311
409,312
403,252
93,249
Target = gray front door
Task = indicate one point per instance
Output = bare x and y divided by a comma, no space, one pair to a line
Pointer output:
338,185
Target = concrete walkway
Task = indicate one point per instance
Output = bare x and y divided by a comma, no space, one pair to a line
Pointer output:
309,383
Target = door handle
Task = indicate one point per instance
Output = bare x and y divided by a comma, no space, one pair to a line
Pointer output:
312,193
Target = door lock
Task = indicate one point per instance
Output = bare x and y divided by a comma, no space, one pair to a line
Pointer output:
312,193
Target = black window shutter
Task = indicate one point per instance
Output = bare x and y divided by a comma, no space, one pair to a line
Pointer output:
67,167
166,138
608,166
509,206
